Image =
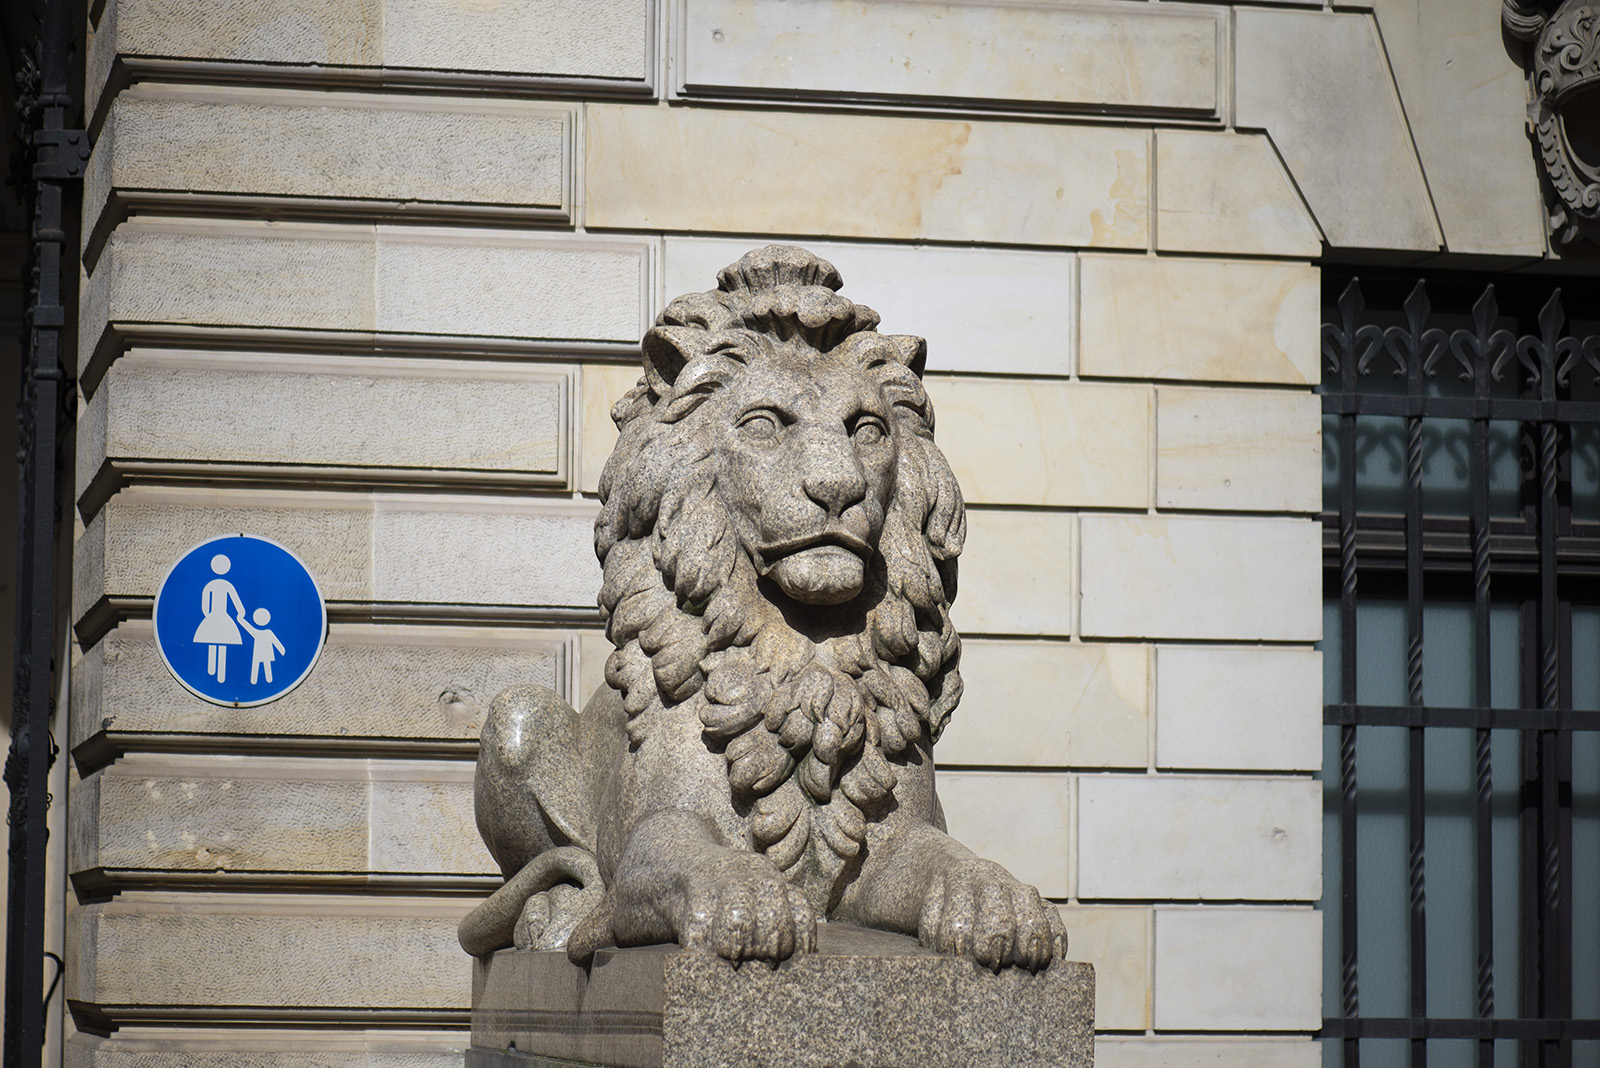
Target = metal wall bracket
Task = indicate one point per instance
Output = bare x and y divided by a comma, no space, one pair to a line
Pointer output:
69,158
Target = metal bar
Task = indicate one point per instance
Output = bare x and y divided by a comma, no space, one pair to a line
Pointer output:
1416,800
32,749
1482,678
1512,409
1550,977
1514,719
1504,1027
1348,913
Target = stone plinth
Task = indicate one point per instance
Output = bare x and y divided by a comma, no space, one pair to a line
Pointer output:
865,999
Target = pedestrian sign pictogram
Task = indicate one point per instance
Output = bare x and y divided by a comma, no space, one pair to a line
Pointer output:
239,620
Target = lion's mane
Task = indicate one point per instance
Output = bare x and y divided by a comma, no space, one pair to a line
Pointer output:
805,726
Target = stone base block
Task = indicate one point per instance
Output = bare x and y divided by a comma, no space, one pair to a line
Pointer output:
865,999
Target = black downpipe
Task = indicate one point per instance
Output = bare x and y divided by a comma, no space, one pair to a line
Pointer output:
54,158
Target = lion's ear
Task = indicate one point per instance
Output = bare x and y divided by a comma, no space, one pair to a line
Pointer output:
667,349
913,351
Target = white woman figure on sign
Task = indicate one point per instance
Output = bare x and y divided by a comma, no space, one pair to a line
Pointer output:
216,630
261,656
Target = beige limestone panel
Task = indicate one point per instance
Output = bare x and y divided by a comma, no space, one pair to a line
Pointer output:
1050,704
1001,311
593,651
232,816
610,39
1045,443
165,412
1018,819
373,682
1466,100
509,284
490,550
269,956
201,143
1199,319
1238,969
657,168
197,1047
603,385
1087,56
1319,83
1199,837
1228,192
1017,573
607,45
1116,941
1238,449
1238,709
316,284
1119,1052
495,553
1240,578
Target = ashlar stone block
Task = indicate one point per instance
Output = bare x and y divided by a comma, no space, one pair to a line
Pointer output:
1254,709
701,169
1021,820
460,554
1238,969
1087,56
1238,578
1191,837
261,1047
603,385
212,957
1238,449
1111,1051
229,818
417,689
223,147
1116,940
1017,573
1199,319
219,416
1050,704
604,46
1318,82
352,287
1466,101
1228,192
1045,443
994,311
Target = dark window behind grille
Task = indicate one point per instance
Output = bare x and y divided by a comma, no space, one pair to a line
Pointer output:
1461,538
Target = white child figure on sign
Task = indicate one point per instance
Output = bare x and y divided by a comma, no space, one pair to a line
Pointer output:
261,657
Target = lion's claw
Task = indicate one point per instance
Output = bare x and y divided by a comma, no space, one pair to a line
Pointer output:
742,909
976,909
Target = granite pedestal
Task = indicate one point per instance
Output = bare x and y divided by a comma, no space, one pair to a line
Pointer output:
865,999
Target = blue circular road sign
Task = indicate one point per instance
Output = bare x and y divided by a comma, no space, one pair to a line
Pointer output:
239,620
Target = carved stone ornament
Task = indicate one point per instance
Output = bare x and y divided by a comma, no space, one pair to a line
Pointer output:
1565,112
779,536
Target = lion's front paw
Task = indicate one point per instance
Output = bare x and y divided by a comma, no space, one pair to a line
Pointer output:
976,908
741,908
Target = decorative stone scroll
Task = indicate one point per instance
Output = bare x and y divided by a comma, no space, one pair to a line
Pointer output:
1565,113
779,539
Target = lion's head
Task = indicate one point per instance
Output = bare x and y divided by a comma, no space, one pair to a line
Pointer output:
779,538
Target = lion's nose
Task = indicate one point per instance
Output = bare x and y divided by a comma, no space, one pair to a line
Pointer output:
834,480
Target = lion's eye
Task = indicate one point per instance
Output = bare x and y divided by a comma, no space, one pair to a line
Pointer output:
760,425
870,430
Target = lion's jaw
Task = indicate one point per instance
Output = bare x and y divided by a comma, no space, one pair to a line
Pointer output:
806,456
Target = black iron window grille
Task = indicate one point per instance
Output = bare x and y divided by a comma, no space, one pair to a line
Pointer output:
1461,537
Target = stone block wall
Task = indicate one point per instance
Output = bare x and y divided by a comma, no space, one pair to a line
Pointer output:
365,276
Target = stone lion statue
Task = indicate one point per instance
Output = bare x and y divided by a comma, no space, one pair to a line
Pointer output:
779,536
